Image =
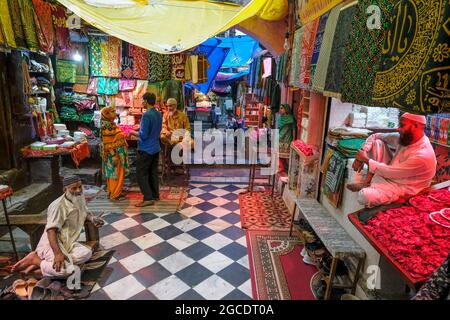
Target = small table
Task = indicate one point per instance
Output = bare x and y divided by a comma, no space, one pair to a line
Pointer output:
4,194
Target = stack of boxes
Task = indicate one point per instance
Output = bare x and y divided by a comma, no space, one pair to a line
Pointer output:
438,127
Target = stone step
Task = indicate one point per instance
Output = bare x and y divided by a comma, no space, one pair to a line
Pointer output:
32,199
88,176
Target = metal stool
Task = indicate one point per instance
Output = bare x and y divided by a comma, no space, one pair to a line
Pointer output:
4,194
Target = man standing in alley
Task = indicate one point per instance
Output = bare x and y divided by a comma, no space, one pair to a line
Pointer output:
148,151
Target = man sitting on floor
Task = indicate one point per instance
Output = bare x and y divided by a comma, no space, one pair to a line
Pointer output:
393,176
58,245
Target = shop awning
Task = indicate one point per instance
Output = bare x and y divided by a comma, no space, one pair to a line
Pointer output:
241,50
223,78
170,26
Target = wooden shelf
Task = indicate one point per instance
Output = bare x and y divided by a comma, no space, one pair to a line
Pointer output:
37,93
441,144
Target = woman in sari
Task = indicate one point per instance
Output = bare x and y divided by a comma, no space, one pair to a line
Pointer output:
287,128
114,154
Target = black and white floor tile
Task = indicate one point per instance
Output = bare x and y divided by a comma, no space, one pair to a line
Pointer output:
198,253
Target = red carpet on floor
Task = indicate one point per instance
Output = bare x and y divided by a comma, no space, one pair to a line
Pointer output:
260,211
276,267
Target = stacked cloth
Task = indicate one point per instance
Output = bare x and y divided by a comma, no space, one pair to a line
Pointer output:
69,114
378,117
349,147
80,101
40,84
335,135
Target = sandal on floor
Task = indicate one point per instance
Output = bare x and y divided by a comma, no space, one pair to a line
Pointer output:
31,283
20,288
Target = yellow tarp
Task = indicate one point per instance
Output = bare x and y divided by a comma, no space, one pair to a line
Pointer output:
170,26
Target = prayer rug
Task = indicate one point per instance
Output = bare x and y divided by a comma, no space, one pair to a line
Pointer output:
333,81
294,75
308,38
276,267
259,211
363,53
320,73
172,198
178,66
415,60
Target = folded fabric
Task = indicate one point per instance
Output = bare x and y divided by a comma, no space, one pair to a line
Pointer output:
108,86
126,84
92,86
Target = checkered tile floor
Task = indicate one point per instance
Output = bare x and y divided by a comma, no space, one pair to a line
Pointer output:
199,253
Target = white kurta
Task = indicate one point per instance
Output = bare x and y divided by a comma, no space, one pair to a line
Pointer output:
410,170
69,221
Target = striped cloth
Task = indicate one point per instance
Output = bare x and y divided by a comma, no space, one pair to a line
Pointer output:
320,74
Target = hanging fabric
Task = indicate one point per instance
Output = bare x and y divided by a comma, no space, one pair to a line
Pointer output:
127,60
114,57
108,86
126,85
333,83
308,38
294,75
159,67
105,56
317,45
140,66
95,56
178,66
414,71
320,73
93,86
45,23
60,24
19,33
6,24
363,53
27,17
66,71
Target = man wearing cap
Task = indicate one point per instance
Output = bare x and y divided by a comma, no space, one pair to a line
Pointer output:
58,247
401,174
172,121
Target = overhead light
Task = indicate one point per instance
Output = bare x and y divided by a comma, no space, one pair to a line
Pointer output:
77,56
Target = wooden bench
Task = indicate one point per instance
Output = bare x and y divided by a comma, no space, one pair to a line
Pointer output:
34,226
337,241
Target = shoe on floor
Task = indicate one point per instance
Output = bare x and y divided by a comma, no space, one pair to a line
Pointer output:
145,203
308,260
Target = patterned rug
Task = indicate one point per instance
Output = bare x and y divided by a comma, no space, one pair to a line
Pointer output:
276,267
172,198
259,211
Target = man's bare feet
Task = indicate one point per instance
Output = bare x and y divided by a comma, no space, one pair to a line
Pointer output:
29,263
355,187
145,203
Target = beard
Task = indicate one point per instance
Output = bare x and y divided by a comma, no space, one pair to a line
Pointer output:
406,138
78,200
